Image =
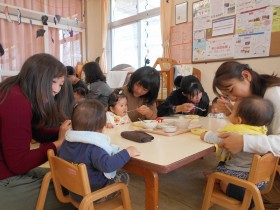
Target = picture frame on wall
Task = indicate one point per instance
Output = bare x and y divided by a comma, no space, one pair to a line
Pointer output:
181,13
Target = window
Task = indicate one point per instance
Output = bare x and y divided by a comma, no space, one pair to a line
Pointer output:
20,41
134,32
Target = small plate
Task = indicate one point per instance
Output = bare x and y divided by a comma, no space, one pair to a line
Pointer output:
198,131
192,116
137,124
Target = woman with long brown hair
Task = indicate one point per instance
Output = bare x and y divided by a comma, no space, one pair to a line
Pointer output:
33,104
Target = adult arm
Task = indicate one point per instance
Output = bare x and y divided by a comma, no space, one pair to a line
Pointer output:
16,135
44,135
168,106
262,144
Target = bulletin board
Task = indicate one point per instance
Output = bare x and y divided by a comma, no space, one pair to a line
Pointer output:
235,29
181,43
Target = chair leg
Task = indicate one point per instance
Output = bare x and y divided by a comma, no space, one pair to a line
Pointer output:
43,191
208,193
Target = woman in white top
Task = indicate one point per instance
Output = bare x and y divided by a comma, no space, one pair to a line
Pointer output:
235,81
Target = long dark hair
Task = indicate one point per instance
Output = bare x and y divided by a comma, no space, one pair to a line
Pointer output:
35,81
148,78
233,70
93,73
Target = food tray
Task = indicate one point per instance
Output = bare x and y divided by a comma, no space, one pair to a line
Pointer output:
179,131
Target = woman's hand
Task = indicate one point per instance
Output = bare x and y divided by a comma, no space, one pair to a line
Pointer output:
61,134
145,110
186,107
232,142
223,106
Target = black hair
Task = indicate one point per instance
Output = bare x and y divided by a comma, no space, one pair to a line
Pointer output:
233,70
88,115
255,110
93,73
191,86
70,70
177,81
81,91
148,78
115,96
215,100
1,50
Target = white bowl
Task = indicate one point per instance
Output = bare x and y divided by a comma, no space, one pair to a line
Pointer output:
182,123
169,128
165,123
149,124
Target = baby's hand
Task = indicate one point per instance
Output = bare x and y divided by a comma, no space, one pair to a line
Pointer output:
202,135
109,125
132,151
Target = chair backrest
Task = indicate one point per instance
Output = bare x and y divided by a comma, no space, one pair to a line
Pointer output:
263,168
72,177
165,63
197,73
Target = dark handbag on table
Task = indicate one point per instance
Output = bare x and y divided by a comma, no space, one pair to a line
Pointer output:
137,136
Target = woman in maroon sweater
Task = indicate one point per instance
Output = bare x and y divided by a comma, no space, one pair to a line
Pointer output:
32,106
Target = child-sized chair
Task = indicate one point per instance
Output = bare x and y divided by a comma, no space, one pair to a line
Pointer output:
75,179
263,168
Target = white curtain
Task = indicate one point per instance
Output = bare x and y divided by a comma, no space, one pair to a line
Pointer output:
105,9
165,22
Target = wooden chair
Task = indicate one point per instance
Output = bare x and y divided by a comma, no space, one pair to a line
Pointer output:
263,167
75,179
166,73
165,63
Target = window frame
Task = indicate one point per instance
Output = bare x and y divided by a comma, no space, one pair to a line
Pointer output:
126,21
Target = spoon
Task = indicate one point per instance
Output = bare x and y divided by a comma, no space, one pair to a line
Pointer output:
200,108
131,110
142,120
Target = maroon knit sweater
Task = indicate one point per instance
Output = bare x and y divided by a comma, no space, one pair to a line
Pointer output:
16,133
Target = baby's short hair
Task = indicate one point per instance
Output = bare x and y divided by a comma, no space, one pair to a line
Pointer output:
255,111
115,96
88,115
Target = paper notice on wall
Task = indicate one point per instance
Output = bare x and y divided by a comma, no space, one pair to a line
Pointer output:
199,50
254,21
183,70
181,53
202,23
181,33
217,8
275,2
276,19
252,45
221,47
223,26
229,7
201,9
246,5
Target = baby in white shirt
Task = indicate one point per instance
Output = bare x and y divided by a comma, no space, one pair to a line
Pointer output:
117,109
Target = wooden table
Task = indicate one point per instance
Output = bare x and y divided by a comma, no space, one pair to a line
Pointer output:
163,155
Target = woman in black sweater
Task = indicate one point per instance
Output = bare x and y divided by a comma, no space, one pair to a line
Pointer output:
185,99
